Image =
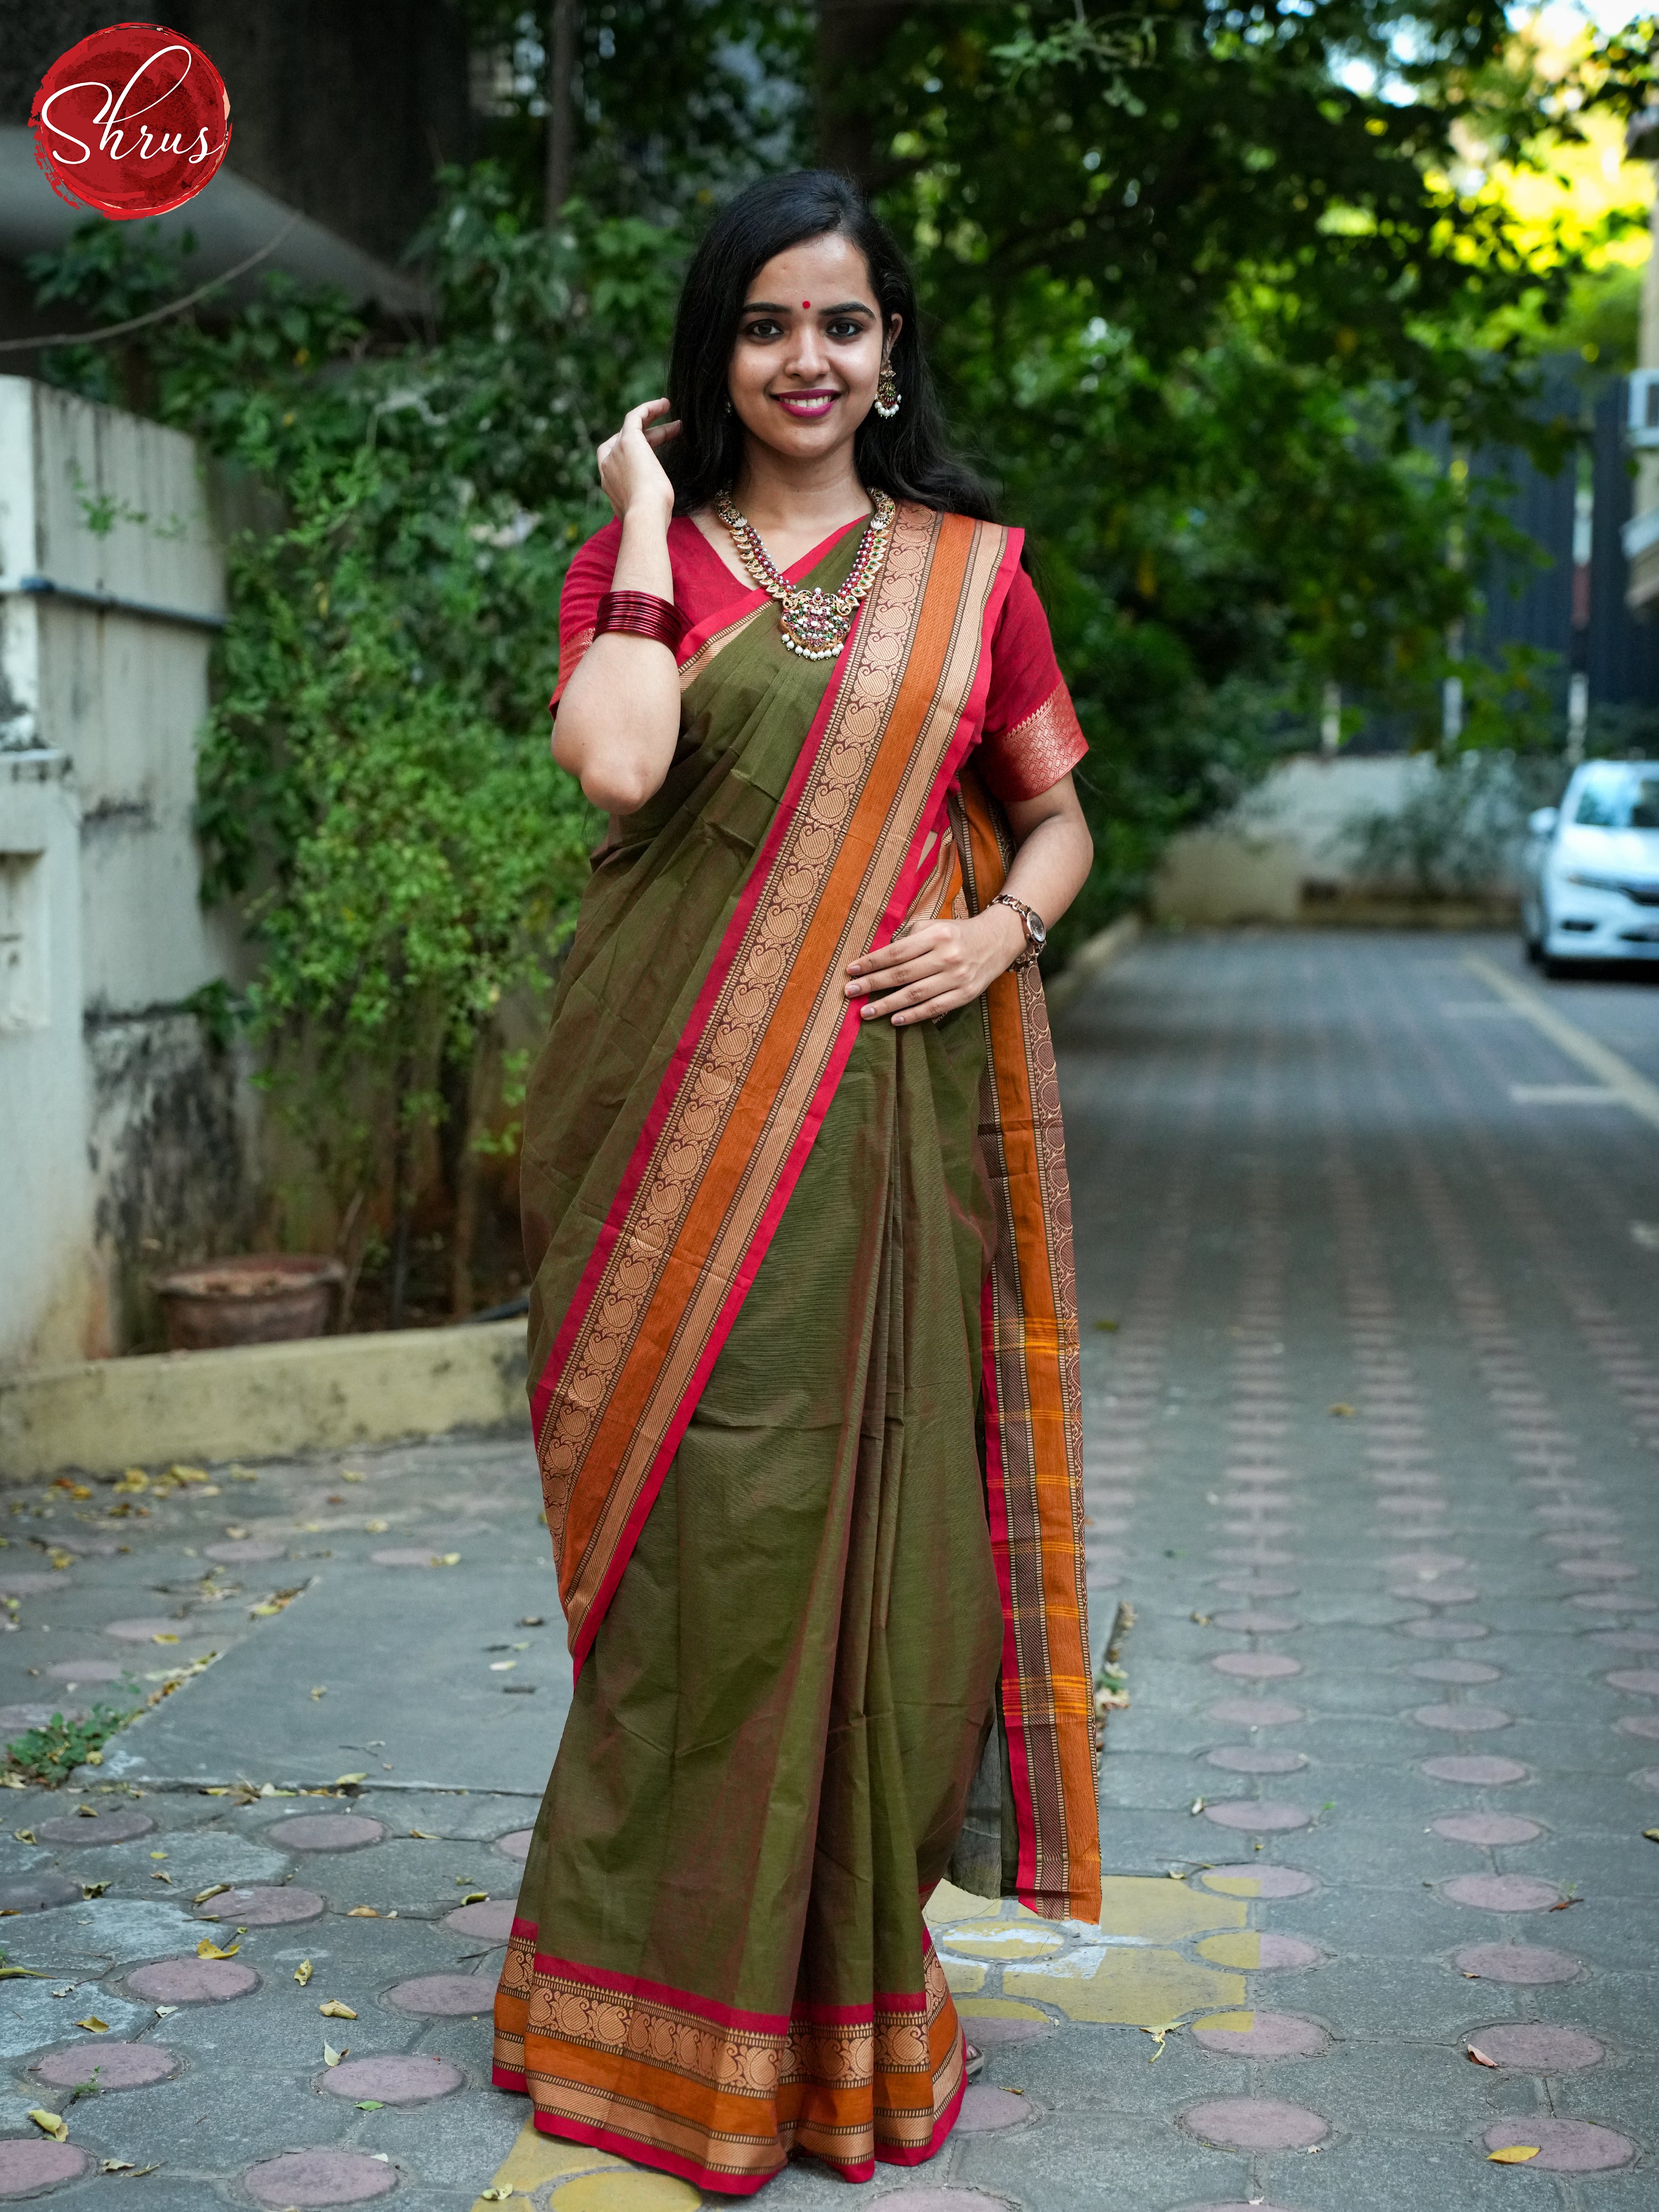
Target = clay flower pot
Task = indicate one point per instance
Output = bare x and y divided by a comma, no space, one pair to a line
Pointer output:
263,1297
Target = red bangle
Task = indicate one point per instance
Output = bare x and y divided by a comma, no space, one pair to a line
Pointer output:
641,614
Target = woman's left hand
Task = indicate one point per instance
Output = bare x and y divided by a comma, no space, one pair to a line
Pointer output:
935,968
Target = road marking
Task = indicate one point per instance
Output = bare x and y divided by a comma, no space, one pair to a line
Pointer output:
1595,1058
1563,1094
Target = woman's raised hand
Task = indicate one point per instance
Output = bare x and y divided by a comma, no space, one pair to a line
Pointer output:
630,470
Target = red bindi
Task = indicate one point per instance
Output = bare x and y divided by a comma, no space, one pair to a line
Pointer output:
806,303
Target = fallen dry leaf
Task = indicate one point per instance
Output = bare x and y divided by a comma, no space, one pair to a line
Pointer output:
1652,1835
1564,1904
166,1636
303,1972
160,1873
332,2057
213,1889
50,2124
364,1912
207,1948
476,1897
21,1973
497,2194
446,1559
333,2009
1343,1411
162,2011
351,1474
375,1527
341,1780
502,1666
1513,2154
94,2026
1478,2057
423,1836
94,1888
321,1690
24,1835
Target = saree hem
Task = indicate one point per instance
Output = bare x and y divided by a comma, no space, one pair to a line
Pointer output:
664,2160
660,2159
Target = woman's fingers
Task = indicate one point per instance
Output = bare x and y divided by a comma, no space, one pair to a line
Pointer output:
911,946
943,979
889,979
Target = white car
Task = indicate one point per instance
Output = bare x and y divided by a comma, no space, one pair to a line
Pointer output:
1592,869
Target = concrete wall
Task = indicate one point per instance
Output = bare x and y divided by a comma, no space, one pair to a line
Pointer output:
1286,840
128,1140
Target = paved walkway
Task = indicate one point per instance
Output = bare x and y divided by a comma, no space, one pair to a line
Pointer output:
1369,1264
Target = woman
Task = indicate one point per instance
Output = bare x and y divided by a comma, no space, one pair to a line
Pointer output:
804,1337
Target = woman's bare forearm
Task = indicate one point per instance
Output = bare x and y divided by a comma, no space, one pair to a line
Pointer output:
1052,863
619,715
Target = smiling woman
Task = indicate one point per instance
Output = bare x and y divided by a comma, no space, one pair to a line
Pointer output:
803,1335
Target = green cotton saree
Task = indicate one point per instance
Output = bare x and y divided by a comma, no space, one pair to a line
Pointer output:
805,1393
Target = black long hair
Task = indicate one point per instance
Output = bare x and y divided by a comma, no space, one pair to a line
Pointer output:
909,457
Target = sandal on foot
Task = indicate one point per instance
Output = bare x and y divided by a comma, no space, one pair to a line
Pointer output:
973,2061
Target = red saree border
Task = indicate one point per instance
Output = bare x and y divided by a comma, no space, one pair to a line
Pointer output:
975,562
647,2079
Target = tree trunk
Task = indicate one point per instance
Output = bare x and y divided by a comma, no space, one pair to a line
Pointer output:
402,1202
463,1174
564,26
853,34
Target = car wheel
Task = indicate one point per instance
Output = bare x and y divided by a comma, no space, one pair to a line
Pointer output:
1559,971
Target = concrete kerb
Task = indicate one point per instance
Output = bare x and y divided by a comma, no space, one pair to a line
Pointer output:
1095,953
262,1401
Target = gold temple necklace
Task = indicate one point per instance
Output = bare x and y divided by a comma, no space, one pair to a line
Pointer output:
813,623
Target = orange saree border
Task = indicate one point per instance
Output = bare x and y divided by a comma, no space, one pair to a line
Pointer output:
750,1080
721,2097
1034,1419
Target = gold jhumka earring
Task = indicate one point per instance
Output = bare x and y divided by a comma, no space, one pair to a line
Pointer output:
888,395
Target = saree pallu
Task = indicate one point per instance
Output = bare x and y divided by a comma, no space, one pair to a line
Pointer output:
804,1390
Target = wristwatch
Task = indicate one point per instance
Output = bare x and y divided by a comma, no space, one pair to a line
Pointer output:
1037,931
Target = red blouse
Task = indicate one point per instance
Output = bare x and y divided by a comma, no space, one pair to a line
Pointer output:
1030,738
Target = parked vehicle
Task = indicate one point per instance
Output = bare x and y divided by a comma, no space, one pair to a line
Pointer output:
1591,891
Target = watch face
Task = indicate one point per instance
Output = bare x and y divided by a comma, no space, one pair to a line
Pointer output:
1036,930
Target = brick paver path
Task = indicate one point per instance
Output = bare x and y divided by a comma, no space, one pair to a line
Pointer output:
1370,1300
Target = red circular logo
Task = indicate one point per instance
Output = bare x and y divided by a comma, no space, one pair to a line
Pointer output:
131,122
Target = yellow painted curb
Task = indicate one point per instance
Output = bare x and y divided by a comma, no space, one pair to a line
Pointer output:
261,1400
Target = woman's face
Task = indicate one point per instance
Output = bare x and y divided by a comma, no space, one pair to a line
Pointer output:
809,349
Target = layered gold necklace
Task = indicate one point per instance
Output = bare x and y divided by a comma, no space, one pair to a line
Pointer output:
813,623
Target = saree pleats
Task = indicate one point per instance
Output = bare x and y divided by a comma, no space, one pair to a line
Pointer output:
720,1954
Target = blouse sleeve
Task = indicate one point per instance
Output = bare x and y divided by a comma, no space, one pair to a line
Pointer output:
1032,737
586,581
